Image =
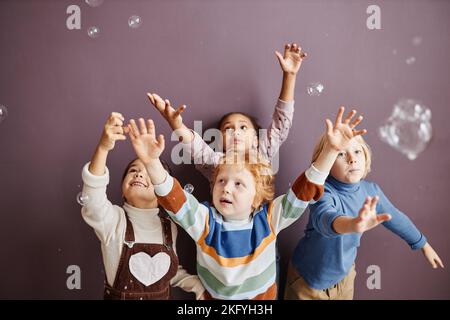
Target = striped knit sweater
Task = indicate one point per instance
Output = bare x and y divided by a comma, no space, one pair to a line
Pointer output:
236,260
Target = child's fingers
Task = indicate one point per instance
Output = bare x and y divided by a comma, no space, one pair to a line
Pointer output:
383,217
180,110
119,137
150,97
151,127
294,47
339,116
125,129
161,141
159,102
432,262
373,203
133,128
356,122
359,132
303,55
279,56
349,116
329,125
439,262
287,47
117,115
142,127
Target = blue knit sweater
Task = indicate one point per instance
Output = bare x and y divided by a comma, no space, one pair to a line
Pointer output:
323,257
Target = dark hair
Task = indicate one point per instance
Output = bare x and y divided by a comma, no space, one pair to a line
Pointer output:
164,163
253,120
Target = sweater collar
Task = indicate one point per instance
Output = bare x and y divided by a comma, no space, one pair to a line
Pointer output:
146,218
342,186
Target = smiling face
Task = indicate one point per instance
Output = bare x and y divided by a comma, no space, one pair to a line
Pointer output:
238,133
350,165
137,188
234,192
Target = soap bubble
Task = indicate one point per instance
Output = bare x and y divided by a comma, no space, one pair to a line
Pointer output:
315,89
189,188
93,32
417,41
408,129
410,60
134,22
94,3
3,113
82,199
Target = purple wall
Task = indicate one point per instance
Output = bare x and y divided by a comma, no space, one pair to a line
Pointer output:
215,56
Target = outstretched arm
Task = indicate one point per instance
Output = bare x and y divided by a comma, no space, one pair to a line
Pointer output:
367,219
290,63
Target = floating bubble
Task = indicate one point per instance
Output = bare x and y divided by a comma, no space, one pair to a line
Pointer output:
93,32
315,89
82,199
394,52
134,22
417,41
3,113
189,188
94,3
410,60
408,129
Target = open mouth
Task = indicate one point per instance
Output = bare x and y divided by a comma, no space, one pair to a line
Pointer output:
225,201
138,184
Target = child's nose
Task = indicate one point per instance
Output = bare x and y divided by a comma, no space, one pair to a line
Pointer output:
139,174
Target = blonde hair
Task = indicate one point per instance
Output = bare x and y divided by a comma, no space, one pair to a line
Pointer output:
366,148
260,170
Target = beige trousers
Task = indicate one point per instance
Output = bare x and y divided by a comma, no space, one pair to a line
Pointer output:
298,289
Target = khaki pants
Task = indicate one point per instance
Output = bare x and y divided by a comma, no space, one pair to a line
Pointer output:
298,289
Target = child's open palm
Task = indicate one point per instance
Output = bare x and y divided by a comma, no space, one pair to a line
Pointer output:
342,132
292,59
367,217
144,141
172,116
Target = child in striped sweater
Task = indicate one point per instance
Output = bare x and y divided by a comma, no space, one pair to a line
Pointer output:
235,236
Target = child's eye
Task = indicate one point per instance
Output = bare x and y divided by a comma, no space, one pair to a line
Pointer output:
341,154
221,180
132,170
243,128
358,151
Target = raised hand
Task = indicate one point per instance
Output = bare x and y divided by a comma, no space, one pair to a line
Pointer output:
432,256
292,59
112,131
368,218
172,116
144,141
342,132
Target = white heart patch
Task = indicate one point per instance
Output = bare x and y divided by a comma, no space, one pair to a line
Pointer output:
148,269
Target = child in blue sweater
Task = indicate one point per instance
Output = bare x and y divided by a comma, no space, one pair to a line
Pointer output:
323,263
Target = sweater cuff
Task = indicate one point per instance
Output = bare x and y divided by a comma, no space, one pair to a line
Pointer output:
316,176
287,106
164,188
92,180
419,244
